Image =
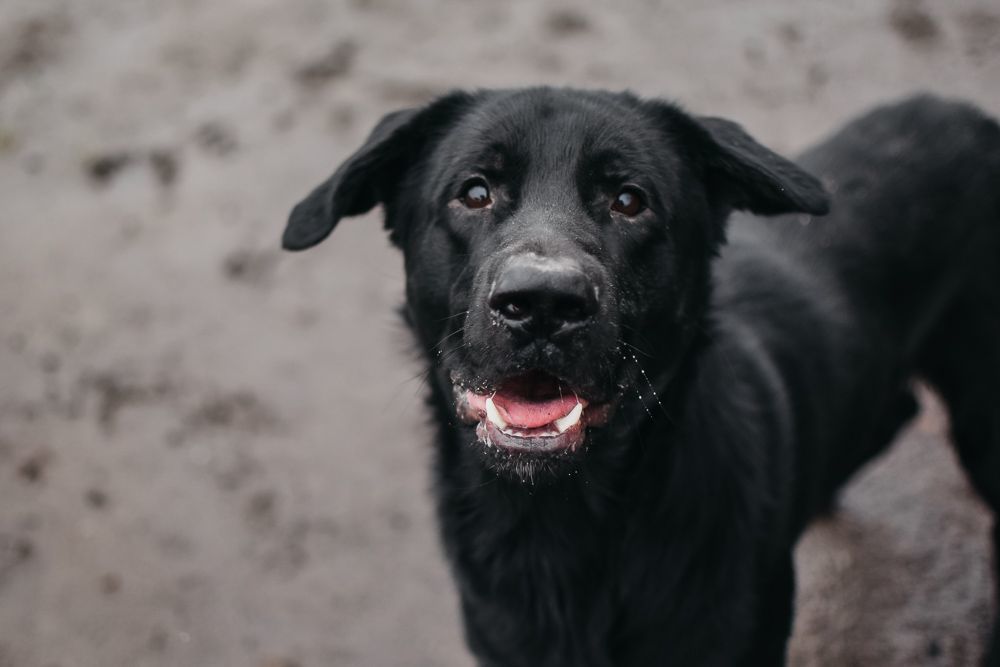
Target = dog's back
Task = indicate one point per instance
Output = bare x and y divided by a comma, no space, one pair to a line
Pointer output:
916,212
901,279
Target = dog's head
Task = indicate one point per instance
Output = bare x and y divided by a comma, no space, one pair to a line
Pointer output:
548,235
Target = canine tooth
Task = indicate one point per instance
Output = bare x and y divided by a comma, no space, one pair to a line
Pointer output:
494,415
571,419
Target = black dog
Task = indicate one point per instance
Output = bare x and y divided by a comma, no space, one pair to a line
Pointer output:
637,420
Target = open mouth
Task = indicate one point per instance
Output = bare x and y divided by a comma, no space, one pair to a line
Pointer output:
533,413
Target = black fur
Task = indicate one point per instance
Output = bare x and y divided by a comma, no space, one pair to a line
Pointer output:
751,376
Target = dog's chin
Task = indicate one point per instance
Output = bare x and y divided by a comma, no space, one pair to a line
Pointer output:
532,427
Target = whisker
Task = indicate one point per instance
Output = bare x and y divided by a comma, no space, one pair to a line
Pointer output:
442,357
637,349
649,383
441,342
652,389
638,393
482,485
451,317
641,339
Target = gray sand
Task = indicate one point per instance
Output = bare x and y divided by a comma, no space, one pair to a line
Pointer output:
215,454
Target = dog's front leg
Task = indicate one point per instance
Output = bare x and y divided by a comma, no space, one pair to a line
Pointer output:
776,600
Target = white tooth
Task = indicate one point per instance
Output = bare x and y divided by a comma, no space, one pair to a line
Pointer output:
571,419
494,415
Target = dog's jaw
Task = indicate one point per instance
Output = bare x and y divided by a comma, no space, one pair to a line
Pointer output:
512,423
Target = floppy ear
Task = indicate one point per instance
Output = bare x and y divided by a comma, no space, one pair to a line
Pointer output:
369,175
753,178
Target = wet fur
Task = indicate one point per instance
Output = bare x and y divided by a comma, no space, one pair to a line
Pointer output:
772,360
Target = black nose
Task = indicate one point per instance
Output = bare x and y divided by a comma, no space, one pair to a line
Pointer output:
543,296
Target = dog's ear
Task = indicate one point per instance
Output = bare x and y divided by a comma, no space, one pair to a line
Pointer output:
741,173
369,176
753,178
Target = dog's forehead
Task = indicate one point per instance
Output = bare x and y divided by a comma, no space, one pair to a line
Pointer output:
564,125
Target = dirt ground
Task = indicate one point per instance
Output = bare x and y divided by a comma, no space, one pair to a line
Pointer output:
214,454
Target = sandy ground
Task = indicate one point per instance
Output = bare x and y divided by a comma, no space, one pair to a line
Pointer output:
214,454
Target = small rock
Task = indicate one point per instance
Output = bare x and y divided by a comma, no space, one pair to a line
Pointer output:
563,22
32,469
790,33
158,640
8,142
110,583
914,24
96,498
261,507
165,165
15,549
216,138
336,63
101,169
250,266
50,362
35,42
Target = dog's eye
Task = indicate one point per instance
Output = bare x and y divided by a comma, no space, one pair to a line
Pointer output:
628,202
475,194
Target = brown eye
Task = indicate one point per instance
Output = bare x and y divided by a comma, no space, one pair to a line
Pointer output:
628,202
475,194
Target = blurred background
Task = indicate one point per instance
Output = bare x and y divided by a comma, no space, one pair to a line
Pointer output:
214,454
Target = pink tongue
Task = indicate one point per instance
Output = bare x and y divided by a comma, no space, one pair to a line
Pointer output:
522,413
